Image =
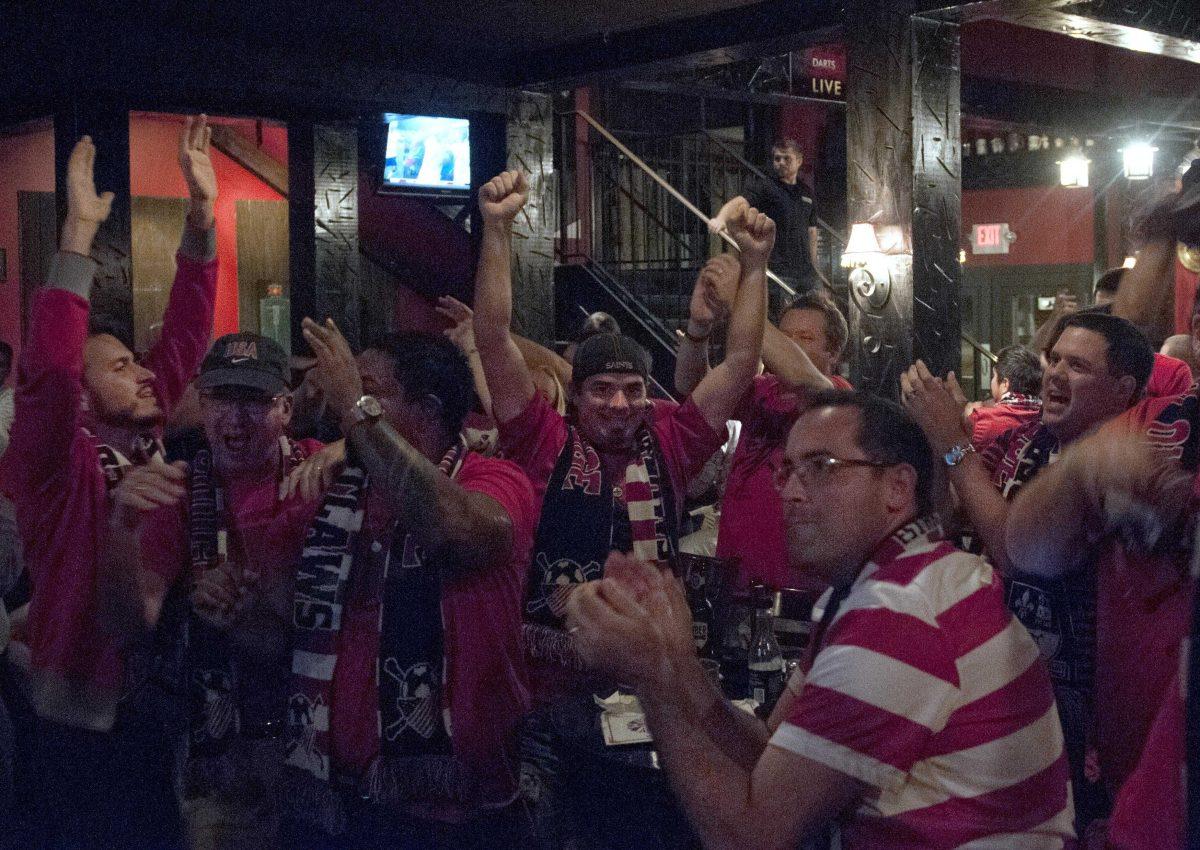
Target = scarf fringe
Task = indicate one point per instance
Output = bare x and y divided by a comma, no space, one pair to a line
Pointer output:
549,644
388,782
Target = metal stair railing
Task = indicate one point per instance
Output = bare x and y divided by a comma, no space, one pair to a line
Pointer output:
642,242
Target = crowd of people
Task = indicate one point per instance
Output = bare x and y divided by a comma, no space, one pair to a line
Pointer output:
338,612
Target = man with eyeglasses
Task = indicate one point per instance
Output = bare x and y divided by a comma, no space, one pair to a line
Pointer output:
223,533
923,716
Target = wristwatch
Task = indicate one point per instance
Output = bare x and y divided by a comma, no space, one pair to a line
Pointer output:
366,409
956,454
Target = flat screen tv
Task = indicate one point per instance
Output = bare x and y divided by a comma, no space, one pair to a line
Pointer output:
427,155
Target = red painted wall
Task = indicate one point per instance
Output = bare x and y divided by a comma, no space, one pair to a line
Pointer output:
26,165
1004,51
154,172
1053,225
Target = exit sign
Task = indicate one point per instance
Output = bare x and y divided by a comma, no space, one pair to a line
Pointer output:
991,238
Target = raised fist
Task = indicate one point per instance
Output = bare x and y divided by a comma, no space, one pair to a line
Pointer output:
501,198
83,204
752,231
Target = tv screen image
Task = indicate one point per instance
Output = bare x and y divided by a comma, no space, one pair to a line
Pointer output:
427,152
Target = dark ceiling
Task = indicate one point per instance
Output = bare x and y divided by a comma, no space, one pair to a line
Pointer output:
278,57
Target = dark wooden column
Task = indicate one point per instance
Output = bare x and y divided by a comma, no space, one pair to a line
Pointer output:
335,192
301,224
323,226
530,140
902,116
108,125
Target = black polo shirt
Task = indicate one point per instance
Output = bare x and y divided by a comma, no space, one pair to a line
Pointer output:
792,209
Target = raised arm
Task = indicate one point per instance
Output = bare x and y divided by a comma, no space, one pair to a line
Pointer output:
50,370
938,406
1110,481
463,530
1065,303
187,322
462,333
714,292
785,359
1146,295
508,378
719,393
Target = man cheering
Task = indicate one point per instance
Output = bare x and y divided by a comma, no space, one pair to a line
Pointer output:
924,716
612,476
86,413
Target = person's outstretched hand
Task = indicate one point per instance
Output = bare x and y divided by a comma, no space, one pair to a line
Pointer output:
502,197
144,489
462,328
936,405
715,289
86,210
338,373
197,168
312,477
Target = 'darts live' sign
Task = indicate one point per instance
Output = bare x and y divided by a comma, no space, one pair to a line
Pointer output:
820,72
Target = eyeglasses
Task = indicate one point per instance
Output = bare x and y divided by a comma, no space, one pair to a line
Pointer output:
815,470
253,404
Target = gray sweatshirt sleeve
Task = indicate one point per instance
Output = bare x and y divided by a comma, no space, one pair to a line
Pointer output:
72,272
198,244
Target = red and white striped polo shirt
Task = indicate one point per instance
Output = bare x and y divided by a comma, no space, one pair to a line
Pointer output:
928,690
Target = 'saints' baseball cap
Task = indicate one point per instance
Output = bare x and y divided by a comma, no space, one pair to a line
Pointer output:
245,360
609,353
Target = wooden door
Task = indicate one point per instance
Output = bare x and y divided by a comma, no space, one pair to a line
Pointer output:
36,221
262,258
155,229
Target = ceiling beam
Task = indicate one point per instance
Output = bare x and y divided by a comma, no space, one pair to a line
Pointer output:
766,25
1164,34
263,166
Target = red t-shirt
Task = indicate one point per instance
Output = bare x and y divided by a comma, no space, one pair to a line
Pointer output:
752,524
1169,377
1150,812
486,692
535,437
1143,609
270,532
988,423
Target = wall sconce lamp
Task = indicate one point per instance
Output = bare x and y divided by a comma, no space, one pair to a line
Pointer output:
1073,171
870,280
1138,159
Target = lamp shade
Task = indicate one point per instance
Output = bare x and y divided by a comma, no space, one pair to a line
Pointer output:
861,245
1138,159
1073,171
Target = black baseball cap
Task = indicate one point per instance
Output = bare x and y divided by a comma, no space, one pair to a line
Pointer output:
606,352
245,360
